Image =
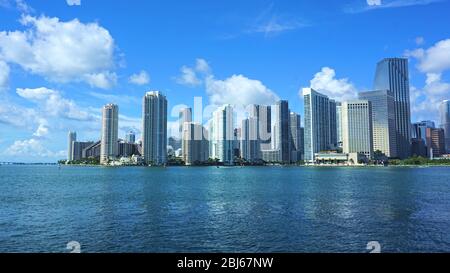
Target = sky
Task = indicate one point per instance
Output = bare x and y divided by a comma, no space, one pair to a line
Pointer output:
61,62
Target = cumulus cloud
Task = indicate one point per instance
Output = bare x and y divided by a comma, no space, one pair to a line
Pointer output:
188,77
326,83
31,148
239,91
434,62
4,75
61,51
54,104
73,2
141,78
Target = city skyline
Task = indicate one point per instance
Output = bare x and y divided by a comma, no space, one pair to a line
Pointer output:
42,100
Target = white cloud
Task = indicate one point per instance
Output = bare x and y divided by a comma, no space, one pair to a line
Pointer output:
434,62
420,40
374,2
4,75
370,5
54,104
188,77
239,91
61,51
73,2
276,26
326,82
202,66
43,129
435,59
31,148
140,79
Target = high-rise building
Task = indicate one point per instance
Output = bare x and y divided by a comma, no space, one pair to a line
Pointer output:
295,137
357,127
184,116
317,126
195,144
78,148
419,129
110,132
333,124
71,138
154,128
281,131
445,122
263,114
435,142
250,146
130,137
93,150
339,124
392,74
221,135
175,143
383,118
128,149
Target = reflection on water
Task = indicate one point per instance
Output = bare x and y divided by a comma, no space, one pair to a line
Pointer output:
224,210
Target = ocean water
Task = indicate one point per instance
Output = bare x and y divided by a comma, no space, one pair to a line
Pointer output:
250,209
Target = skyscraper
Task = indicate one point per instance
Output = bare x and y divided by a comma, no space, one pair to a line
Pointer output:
154,128
333,125
445,122
281,131
317,126
339,124
78,148
221,135
435,142
383,118
250,145
295,137
263,114
195,143
110,132
71,138
184,116
130,137
392,74
357,127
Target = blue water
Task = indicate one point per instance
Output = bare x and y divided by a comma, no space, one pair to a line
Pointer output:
261,209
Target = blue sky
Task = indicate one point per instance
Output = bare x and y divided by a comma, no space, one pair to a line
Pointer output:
60,62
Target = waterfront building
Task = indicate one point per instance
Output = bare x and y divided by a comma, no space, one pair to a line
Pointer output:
130,137
93,150
317,126
357,127
281,130
185,115
195,144
392,74
333,124
339,124
154,128
296,137
435,142
263,114
444,110
250,146
71,138
222,135
127,149
418,147
383,118
77,149
110,132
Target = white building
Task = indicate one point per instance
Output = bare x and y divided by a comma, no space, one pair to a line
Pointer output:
110,132
154,128
221,135
357,127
